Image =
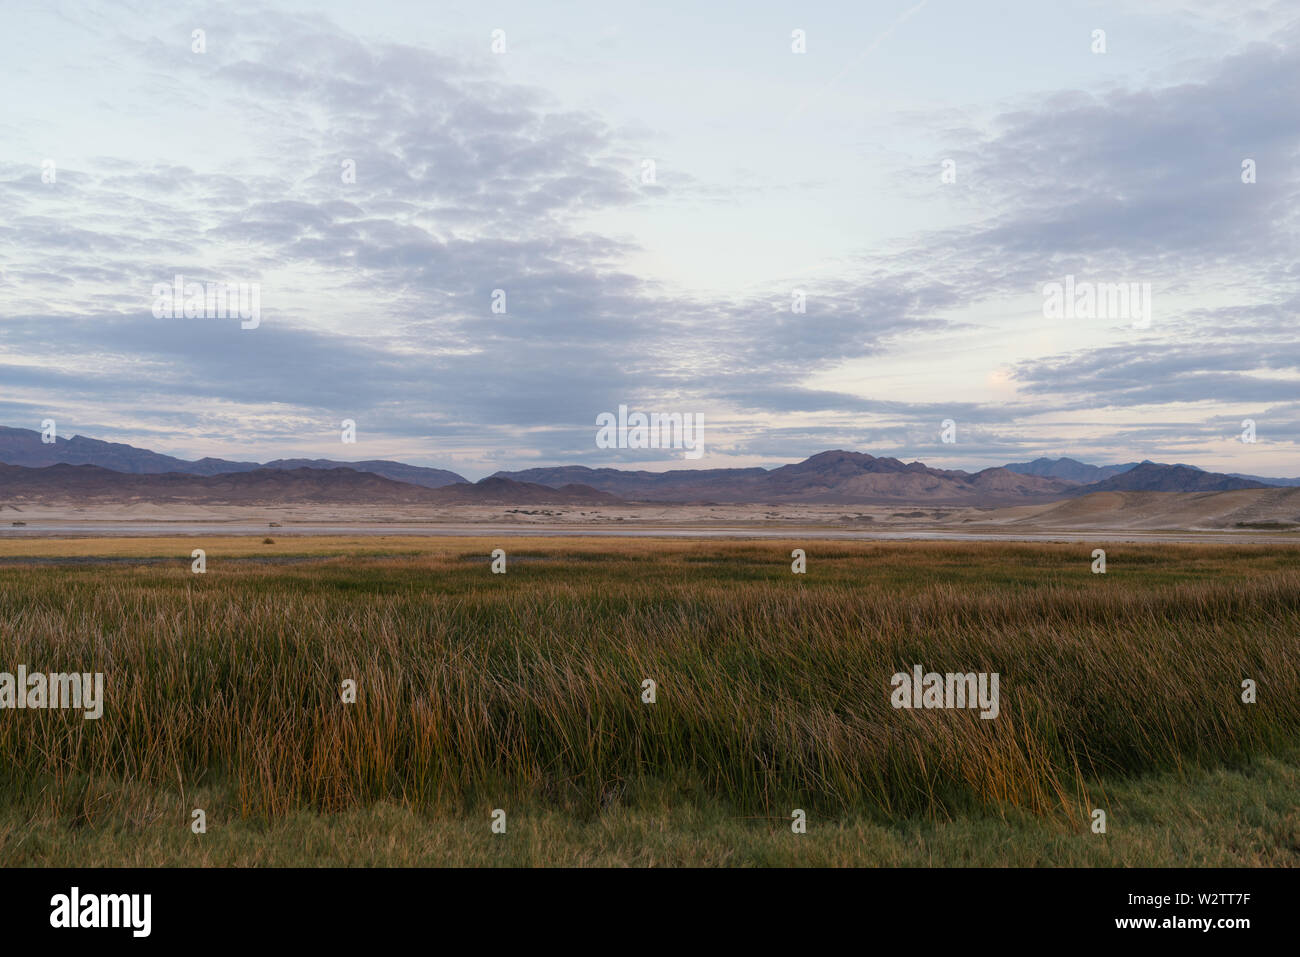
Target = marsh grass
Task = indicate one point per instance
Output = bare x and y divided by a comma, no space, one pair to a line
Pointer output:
773,688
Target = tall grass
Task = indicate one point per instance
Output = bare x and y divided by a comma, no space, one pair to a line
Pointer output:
773,689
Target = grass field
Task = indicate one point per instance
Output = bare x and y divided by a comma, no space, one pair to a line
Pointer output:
523,691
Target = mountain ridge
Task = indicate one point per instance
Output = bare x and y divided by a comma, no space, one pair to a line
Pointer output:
91,483
1152,477
24,447
835,476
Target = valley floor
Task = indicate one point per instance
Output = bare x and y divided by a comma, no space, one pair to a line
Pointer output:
1255,515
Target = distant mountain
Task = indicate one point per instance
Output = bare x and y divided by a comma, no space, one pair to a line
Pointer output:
397,471
1151,477
24,447
1275,482
855,477
339,486
835,477
83,483
1070,470
676,485
841,477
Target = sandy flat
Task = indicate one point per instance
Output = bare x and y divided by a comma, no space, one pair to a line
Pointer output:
1256,515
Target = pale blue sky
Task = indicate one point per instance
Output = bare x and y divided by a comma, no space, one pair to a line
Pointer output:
775,171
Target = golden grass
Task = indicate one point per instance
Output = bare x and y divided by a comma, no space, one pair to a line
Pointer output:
773,688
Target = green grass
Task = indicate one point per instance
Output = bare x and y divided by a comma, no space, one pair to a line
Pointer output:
522,691
1246,817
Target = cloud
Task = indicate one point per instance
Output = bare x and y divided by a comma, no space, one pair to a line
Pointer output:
377,293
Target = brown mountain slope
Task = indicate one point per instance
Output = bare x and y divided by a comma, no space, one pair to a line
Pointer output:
90,483
1265,508
835,477
24,447
1153,477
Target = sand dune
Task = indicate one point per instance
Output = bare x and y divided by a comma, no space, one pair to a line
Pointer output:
1272,509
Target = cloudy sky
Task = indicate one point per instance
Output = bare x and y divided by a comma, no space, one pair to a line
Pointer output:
127,158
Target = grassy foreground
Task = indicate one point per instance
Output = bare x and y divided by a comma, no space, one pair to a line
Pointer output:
523,692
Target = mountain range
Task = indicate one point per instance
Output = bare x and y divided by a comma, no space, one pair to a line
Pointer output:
828,477
337,486
24,447
855,477
1150,477
87,468
1069,469
1074,471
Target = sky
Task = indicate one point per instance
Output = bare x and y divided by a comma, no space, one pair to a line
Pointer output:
672,210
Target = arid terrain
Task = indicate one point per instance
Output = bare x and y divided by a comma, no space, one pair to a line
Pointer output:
1248,515
87,486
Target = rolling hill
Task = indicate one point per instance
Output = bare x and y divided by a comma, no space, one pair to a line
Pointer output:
1260,509
90,483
